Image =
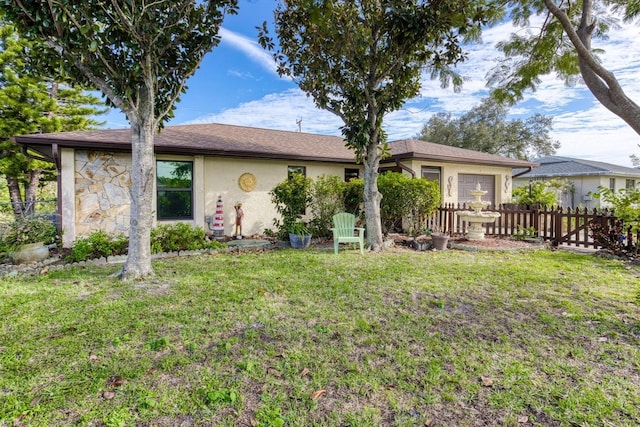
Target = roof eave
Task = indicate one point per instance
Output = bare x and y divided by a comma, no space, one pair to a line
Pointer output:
39,145
121,146
452,159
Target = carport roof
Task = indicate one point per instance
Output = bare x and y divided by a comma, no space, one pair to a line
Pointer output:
248,142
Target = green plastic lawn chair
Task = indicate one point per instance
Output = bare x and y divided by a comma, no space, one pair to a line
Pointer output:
345,231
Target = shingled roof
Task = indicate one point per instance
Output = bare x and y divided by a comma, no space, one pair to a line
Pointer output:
418,149
249,142
207,139
557,166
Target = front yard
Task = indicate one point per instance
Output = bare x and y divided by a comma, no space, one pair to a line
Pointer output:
307,338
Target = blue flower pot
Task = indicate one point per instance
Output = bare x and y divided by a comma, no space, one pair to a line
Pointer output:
299,242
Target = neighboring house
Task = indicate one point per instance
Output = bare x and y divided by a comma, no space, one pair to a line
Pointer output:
585,175
196,164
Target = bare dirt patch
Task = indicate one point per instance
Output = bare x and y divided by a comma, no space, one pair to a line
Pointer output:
156,288
495,243
489,243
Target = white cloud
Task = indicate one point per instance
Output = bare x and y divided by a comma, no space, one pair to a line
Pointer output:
284,110
240,74
610,145
278,111
250,48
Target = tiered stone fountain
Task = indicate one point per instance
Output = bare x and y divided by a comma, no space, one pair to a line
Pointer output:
476,218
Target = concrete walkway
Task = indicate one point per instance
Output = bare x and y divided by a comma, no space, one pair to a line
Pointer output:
577,249
248,244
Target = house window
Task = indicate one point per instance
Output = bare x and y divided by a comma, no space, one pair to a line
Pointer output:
174,182
612,184
630,184
430,173
350,174
296,169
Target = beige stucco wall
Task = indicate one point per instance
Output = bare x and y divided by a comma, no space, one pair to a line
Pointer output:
449,178
95,190
100,182
221,178
67,179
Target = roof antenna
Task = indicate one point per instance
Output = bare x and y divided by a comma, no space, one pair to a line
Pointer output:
299,123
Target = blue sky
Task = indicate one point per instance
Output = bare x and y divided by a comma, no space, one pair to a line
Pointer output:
237,84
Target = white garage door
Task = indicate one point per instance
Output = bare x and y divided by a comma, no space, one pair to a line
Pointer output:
469,182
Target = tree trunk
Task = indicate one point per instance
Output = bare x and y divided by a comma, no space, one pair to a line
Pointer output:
31,192
15,196
138,264
372,198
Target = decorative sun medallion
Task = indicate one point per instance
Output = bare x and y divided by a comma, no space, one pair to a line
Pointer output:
247,182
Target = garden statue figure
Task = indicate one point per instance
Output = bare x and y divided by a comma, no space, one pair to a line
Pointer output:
239,216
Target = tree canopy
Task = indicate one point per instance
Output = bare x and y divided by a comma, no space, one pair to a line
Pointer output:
486,128
139,54
363,59
33,100
563,45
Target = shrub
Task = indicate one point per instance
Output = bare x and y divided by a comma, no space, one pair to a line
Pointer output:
408,198
213,244
537,193
29,229
120,244
425,197
98,244
354,197
617,236
291,197
561,186
393,206
327,199
165,238
81,251
523,233
613,237
177,237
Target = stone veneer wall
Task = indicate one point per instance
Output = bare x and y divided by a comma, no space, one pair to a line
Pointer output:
102,183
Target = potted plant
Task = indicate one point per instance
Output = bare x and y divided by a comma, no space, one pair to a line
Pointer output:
26,237
299,235
440,240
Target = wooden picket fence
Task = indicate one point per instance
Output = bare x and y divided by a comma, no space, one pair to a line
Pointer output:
556,225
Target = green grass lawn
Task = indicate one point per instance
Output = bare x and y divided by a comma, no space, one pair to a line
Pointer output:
307,338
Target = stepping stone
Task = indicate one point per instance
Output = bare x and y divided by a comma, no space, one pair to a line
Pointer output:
248,244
